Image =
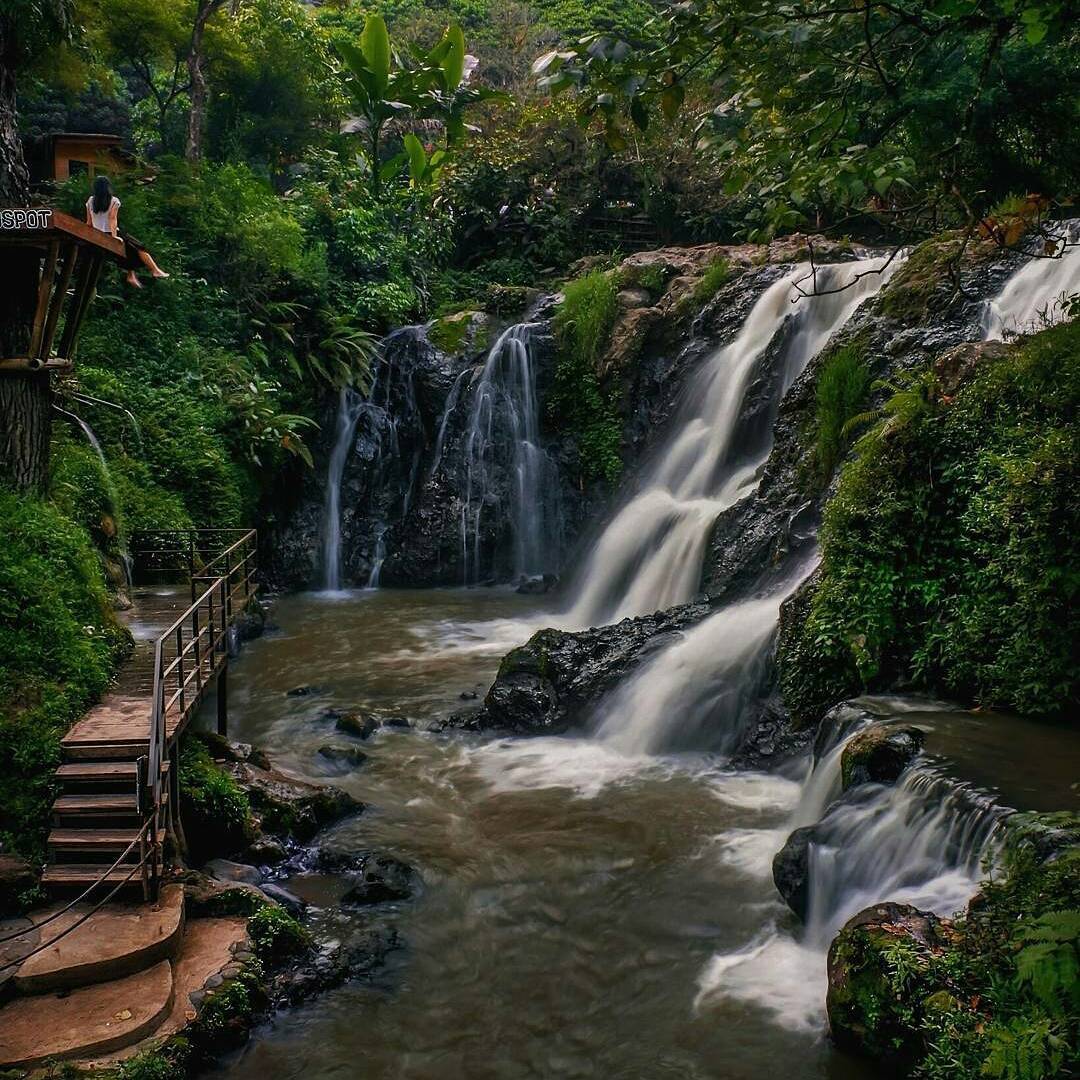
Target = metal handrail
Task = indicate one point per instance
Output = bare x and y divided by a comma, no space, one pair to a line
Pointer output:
220,590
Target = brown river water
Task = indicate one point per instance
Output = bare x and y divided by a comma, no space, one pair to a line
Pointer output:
584,913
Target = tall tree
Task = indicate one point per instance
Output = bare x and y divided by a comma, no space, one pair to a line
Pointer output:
27,29
198,86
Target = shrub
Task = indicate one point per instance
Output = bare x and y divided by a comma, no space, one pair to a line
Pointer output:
58,645
276,935
582,326
950,547
716,276
842,384
216,810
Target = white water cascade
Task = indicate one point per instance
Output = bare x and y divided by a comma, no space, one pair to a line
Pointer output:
921,841
649,556
1033,297
349,409
504,432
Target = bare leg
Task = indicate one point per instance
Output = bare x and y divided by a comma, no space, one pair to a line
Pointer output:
152,266
131,279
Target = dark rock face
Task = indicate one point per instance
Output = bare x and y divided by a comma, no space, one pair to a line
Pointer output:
879,754
864,1013
791,870
16,877
547,685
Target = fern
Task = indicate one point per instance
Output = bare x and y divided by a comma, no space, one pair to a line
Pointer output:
1049,962
1027,1049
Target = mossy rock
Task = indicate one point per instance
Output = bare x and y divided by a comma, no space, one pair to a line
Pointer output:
869,1012
461,332
879,754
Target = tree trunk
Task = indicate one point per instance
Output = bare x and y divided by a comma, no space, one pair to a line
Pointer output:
25,398
198,89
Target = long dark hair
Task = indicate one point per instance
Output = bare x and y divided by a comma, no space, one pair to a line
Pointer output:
103,196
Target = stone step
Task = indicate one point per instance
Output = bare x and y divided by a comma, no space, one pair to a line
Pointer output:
87,1022
116,941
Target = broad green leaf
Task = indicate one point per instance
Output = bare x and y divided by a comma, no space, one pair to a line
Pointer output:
375,44
417,158
453,63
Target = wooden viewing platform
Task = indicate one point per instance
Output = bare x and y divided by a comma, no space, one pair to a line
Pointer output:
118,800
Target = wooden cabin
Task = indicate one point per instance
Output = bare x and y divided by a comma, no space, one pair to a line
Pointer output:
64,154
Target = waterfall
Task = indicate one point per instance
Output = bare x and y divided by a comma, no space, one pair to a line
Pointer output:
503,434
1032,297
126,562
698,691
649,556
920,841
349,409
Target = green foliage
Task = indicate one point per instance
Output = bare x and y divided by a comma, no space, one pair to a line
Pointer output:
214,805
582,326
651,277
997,994
819,113
842,384
58,645
276,935
949,550
716,276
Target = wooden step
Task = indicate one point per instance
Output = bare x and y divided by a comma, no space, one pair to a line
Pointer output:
90,771
82,751
96,804
80,875
67,839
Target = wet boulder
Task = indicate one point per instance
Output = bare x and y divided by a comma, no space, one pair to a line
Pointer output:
361,725
879,754
381,879
866,1014
293,808
341,758
791,870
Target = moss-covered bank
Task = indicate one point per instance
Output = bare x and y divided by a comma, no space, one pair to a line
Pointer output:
950,546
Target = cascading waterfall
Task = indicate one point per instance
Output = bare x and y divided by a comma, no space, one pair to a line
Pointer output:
649,556
504,433
350,407
920,841
1032,297
699,689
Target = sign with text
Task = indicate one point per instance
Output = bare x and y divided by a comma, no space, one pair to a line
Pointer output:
25,219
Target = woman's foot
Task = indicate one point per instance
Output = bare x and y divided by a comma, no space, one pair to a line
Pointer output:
132,280
159,273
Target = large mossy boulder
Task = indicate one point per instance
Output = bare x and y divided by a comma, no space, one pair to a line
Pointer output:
870,965
287,807
879,754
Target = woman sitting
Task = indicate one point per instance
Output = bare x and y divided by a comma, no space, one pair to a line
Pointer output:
102,213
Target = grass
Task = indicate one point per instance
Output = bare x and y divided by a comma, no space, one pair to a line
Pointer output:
716,276
842,385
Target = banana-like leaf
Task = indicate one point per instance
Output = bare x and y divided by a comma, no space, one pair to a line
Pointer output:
417,158
375,44
453,63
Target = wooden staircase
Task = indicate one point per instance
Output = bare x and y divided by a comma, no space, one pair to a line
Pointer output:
102,816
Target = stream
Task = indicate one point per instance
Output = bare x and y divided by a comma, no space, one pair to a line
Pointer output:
588,910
